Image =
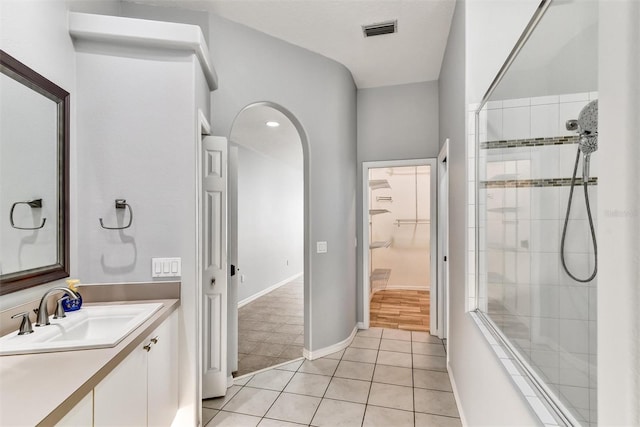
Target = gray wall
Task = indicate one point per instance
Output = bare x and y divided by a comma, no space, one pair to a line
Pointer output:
270,221
321,95
394,123
485,393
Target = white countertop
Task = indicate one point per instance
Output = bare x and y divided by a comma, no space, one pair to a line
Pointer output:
39,389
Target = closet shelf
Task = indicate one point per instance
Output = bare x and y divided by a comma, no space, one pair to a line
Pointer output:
378,211
380,244
400,222
377,184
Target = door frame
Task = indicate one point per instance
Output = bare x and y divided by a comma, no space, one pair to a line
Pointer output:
204,129
307,245
364,247
442,325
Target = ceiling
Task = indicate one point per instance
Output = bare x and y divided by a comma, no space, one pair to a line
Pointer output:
333,28
282,142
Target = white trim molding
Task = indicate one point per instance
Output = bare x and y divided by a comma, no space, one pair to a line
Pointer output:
267,290
316,354
144,33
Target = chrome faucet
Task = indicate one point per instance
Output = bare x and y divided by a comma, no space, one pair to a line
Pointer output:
43,313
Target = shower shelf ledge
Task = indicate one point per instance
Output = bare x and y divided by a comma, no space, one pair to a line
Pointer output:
378,211
377,184
381,244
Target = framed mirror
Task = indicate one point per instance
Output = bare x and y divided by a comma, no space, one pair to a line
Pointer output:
34,178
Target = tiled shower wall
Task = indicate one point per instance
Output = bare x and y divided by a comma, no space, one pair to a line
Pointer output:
526,160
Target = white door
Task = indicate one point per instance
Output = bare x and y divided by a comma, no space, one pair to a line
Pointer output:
214,266
443,245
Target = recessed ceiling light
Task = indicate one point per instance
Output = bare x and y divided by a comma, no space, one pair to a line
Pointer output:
272,124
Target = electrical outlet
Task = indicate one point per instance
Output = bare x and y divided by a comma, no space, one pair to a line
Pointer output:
242,278
321,247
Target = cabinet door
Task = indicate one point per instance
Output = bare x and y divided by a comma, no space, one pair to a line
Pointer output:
80,415
162,373
121,398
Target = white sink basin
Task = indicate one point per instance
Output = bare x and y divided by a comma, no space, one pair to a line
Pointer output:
96,326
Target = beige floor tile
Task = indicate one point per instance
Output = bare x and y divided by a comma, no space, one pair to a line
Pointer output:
278,338
370,333
435,402
268,349
335,413
349,390
219,402
391,396
319,366
435,363
355,370
207,415
365,342
393,375
294,408
431,379
252,401
396,334
394,358
230,419
376,416
395,345
360,355
425,337
428,349
267,422
293,366
308,384
337,355
273,379
429,420
242,380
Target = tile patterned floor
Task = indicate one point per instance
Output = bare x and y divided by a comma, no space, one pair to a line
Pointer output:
386,378
271,328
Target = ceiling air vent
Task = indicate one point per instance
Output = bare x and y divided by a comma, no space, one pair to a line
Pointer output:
380,28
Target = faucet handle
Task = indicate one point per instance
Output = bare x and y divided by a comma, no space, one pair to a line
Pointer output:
60,314
25,326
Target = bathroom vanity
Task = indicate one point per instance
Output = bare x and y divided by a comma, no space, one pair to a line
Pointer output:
133,383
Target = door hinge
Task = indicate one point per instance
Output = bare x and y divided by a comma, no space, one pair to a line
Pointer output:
445,258
233,270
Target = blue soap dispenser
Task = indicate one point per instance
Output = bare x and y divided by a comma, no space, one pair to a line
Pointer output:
69,304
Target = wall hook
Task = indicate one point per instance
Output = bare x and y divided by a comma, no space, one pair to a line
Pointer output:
120,204
36,203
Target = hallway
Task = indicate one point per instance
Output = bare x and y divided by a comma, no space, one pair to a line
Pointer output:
384,378
271,328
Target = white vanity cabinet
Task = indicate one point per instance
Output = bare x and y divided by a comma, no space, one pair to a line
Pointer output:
80,415
143,389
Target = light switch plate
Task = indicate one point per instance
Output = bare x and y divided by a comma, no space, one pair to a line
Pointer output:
321,247
166,267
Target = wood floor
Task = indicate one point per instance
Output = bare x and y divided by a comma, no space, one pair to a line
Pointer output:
400,309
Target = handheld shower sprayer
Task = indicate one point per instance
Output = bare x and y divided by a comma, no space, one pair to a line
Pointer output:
587,128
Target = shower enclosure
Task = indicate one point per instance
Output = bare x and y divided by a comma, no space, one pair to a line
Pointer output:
536,193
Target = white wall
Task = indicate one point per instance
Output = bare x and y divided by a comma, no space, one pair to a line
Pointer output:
484,391
394,123
36,33
321,95
270,221
618,214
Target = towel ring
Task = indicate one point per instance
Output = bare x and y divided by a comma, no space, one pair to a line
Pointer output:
36,203
120,204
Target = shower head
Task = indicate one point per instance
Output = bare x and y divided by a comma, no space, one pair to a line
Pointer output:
588,128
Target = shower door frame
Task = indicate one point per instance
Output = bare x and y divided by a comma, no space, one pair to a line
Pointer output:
434,286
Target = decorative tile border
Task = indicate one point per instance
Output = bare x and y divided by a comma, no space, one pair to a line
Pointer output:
543,182
532,142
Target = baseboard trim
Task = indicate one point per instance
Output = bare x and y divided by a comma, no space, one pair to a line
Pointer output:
267,290
316,354
360,325
463,419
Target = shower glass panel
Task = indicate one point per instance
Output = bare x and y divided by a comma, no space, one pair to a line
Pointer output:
525,163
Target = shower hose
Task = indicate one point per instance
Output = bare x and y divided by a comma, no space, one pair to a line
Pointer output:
585,180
